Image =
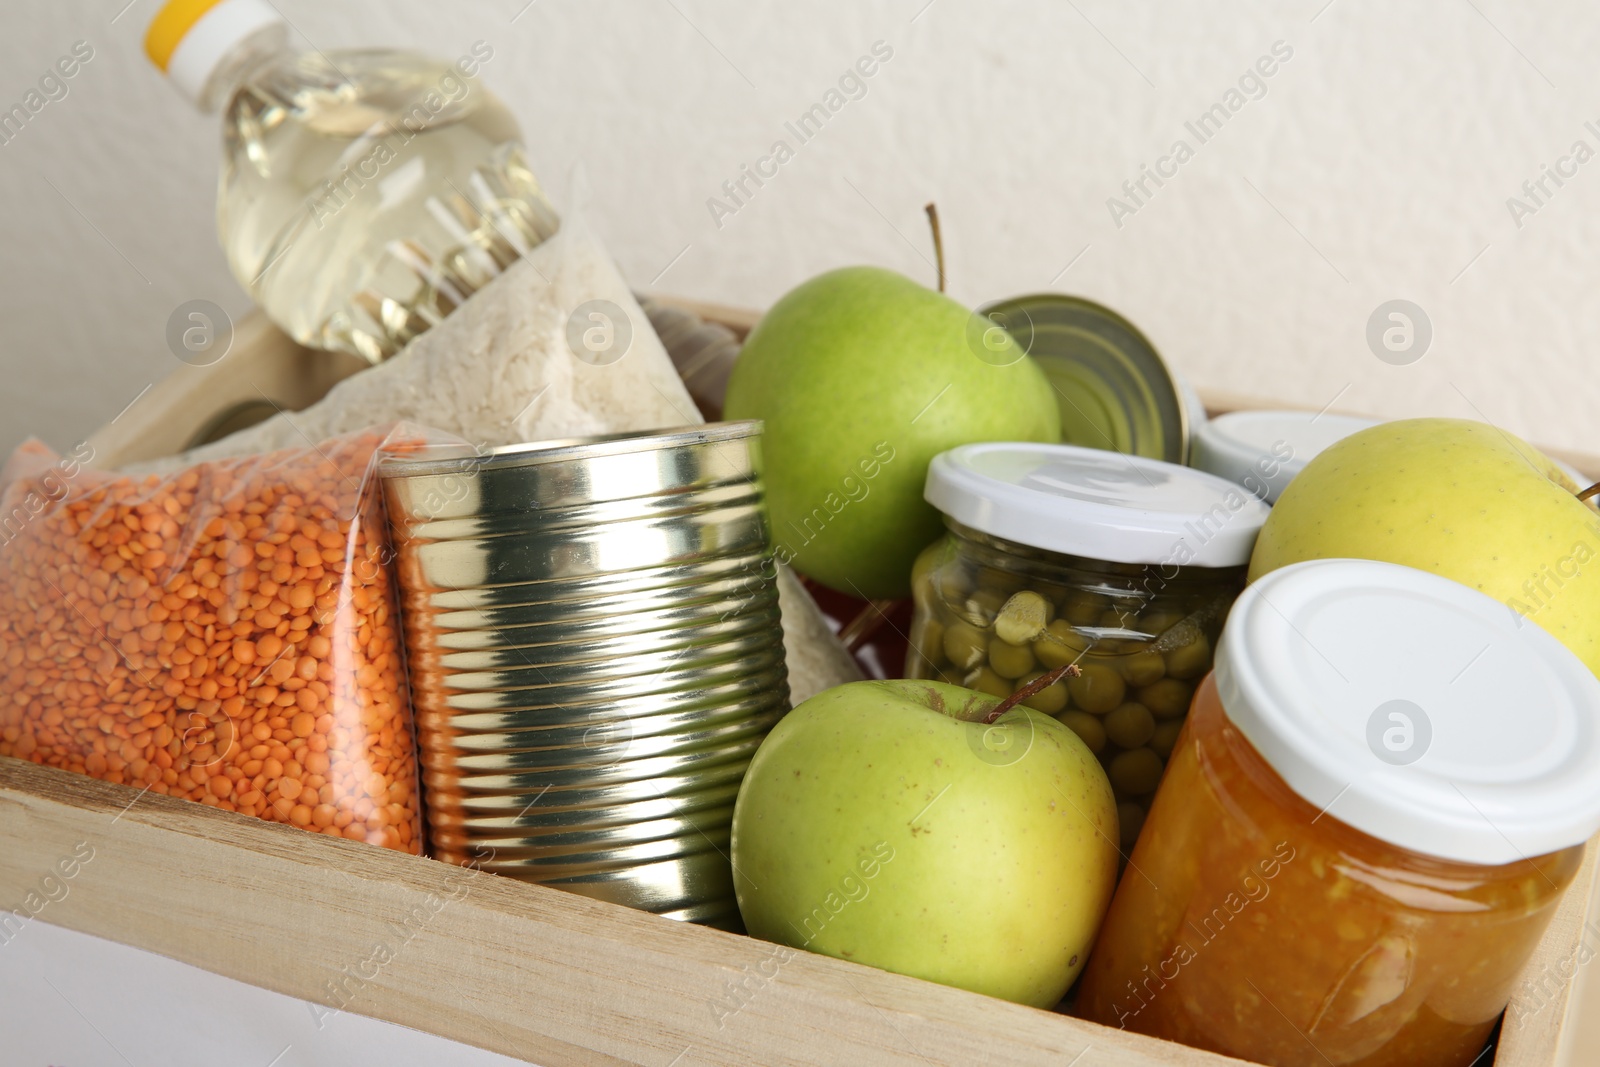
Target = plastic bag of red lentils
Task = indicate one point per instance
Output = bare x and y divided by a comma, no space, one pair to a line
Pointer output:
226,633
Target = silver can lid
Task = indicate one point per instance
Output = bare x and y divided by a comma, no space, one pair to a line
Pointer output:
1113,388
439,482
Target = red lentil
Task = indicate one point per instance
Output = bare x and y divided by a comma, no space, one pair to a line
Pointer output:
227,634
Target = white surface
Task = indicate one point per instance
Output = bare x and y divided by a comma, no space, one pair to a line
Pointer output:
1087,502
1264,450
1388,144
209,41
73,1000
1494,758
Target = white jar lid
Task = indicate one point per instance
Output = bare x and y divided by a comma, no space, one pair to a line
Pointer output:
1415,709
1263,450
1102,505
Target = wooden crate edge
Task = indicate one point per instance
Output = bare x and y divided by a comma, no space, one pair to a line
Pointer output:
518,969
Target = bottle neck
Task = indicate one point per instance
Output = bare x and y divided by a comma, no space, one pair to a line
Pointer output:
249,56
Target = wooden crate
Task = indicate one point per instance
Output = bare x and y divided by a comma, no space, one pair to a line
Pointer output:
535,973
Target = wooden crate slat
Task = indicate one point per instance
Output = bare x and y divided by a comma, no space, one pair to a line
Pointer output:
517,969
1534,1020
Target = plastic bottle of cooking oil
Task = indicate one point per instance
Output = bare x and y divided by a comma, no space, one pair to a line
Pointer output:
364,194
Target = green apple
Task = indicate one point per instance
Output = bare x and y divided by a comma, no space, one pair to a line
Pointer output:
1461,499
862,377
885,823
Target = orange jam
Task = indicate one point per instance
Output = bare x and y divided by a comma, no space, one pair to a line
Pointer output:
1251,924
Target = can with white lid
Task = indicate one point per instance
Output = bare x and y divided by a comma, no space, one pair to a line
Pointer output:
1264,450
1060,554
1379,798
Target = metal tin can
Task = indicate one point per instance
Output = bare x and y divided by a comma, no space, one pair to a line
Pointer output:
596,652
1114,389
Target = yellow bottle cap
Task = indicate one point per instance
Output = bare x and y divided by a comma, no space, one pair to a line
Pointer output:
189,40
170,25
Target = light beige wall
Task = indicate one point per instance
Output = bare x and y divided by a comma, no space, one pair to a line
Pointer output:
1376,166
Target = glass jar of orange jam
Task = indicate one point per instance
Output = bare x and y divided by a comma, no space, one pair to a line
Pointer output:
1362,832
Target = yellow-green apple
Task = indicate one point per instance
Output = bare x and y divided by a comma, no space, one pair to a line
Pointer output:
862,377
888,824
1462,499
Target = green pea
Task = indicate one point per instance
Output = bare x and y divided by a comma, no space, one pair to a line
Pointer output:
1098,689
985,680
965,645
1113,619
1083,609
1087,727
1166,699
1143,668
986,603
1166,737
1008,660
1050,700
1157,622
1053,594
1130,725
1136,772
1190,660
1116,620
1022,618
1060,644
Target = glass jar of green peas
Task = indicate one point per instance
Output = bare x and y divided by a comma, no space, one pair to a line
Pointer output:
1057,554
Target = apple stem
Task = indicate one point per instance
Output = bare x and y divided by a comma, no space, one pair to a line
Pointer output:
1589,492
1044,681
938,240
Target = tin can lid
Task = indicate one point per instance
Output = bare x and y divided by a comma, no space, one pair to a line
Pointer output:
1097,504
1415,709
448,458
1264,450
1113,388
